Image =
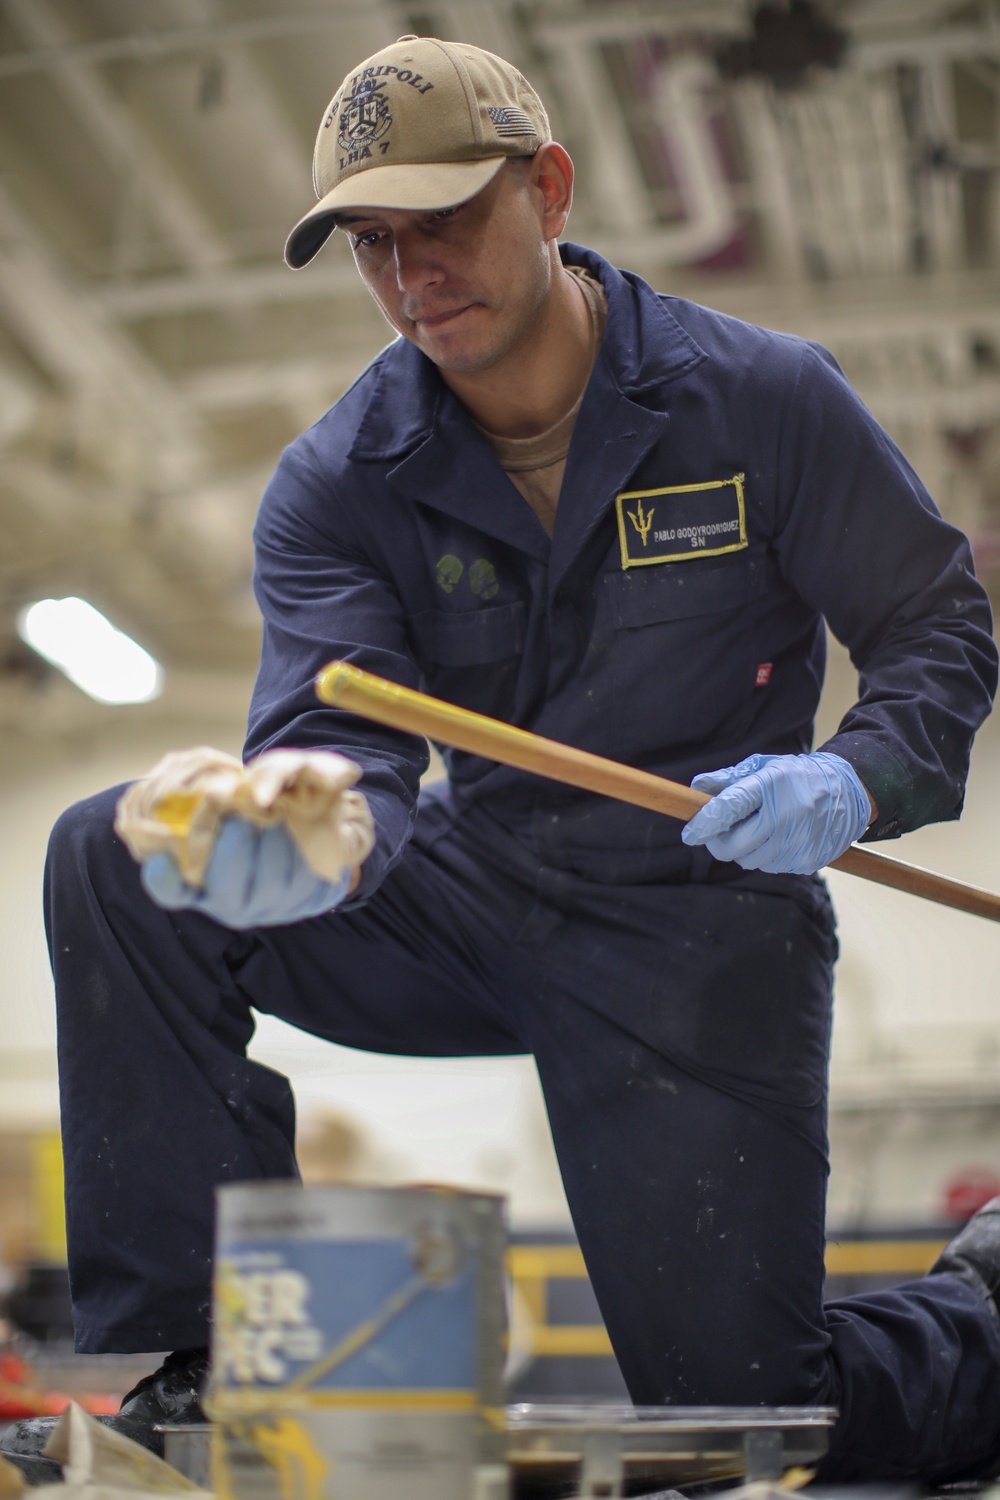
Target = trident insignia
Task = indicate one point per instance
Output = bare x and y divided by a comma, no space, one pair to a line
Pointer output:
642,522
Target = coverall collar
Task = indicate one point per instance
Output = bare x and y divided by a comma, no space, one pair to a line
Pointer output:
443,460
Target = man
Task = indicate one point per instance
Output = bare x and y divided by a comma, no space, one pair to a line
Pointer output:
617,519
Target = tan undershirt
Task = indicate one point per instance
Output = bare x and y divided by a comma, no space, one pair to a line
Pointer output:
536,464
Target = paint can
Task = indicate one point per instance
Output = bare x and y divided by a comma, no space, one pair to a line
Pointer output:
357,1345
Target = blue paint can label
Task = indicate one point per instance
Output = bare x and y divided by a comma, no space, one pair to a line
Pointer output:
357,1342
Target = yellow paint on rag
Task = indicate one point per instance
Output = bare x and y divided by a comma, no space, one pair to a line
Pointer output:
179,807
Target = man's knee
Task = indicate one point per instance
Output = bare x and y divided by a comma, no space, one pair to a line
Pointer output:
85,829
87,867
688,1378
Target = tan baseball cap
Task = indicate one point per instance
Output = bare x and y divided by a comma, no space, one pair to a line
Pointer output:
421,124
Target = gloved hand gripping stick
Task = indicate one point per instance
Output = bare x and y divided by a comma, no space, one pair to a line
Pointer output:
345,686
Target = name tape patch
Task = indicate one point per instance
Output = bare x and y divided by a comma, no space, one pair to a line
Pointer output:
681,521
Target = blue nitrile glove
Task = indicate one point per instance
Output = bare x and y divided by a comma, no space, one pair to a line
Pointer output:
789,813
256,877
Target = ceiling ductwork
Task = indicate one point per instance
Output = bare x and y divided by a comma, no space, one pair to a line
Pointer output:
826,168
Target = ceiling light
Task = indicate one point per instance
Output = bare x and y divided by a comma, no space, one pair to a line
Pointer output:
103,661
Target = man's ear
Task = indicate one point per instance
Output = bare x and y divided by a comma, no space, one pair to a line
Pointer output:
552,177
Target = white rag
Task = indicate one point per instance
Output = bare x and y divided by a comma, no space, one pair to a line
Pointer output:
179,807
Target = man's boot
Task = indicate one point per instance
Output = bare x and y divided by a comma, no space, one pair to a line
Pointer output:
974,1254
170,1397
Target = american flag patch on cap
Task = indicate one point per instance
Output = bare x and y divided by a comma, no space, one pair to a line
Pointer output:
507,121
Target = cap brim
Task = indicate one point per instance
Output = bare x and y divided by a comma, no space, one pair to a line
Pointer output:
419,185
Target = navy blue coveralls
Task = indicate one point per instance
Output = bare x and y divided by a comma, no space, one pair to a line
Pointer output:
724,492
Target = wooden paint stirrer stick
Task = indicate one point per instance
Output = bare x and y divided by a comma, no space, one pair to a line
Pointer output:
375,698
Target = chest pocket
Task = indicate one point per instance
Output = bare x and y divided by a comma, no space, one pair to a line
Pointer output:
683,641
468,638
678,591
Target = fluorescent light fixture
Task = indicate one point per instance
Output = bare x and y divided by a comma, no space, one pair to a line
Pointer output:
103,661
